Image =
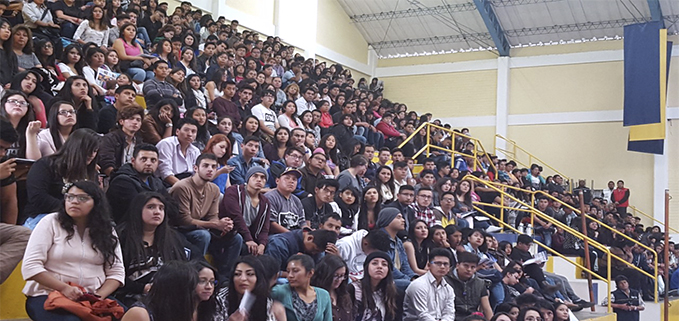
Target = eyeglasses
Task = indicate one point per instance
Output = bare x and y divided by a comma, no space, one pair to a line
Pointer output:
296,156
48,46
339,277
440,264
446,199
204,282
17,102
66,112
424,196
82,198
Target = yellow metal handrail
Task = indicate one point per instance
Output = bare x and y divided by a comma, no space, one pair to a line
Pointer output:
606,280
478,146
638,211
533,197
615,231
532,159
534,211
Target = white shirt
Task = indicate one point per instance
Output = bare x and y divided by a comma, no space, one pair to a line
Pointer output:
303,105
428,301
267,115
352,253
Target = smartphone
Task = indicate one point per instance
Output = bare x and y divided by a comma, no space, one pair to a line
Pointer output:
24,161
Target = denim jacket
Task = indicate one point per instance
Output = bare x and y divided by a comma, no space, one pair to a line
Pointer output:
405,272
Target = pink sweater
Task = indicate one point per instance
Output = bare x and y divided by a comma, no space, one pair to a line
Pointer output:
74,260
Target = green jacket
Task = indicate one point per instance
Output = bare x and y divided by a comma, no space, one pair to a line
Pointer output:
283,294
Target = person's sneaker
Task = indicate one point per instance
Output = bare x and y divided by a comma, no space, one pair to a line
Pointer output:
493,229
549,289
574,307
585,304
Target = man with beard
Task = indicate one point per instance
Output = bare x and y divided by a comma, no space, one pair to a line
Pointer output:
133,178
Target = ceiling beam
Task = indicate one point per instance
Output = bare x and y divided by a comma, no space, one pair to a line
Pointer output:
427,11
430,41
485,8
656,11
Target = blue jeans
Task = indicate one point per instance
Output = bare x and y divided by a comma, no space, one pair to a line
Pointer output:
461,223
361,139
36,310
144,36
225,251
68,29
137,74
200,238
497,294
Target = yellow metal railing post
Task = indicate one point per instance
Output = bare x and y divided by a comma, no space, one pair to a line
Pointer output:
428,139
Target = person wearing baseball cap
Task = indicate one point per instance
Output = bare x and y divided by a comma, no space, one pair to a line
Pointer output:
287,212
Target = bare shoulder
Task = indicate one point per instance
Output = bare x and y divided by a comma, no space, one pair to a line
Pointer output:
136,314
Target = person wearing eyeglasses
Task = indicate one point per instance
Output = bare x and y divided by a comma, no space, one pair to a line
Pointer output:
332,275
62,119
430,297
422,206
75,247
18,111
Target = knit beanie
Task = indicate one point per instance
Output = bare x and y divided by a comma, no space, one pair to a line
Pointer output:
386,216
375,255
253,170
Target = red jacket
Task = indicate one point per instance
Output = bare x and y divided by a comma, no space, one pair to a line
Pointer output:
621,195
387,129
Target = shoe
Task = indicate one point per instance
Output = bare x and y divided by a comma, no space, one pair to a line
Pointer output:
549,289
585,304
574,307
493,229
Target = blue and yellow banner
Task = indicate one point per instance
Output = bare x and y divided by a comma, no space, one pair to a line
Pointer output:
647,54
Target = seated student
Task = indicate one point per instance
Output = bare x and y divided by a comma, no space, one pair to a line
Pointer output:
245,160
160,121
520,253
133,178
391,221
353,176
176,154
356,247
422,206
510,278
147,242
430,297
62,120
117,146
331,222
249,210
75,161
447,212
76,244
471,294
404,198
313,171
124,97
198,219
157,88
287,212
375,294
284,245
293,157
302,301
321,202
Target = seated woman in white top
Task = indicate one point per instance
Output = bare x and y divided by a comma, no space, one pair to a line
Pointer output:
95,58
72,61
77,244
93,29
62,119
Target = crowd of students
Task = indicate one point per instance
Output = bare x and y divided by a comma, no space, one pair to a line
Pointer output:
261,161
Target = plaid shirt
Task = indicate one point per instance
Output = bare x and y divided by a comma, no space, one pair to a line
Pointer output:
424,213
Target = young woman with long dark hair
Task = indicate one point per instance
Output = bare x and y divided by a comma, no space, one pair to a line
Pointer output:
172,296
94,29
281,142
203,135
147,242
225,125
384,181
417,246
376,293
9,65
77,91
302,301
194,93
76,244
332,275
159,121
348,201
215,86
288,117
28,83
74,161
72,61
370,208
330,146
62,120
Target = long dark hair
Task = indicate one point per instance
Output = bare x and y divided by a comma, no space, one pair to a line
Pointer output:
411,235
99,222
363,213
155,113
324,277
205,309
277,143
53,121
66,92
18,78
333,153
70,161
386,286
159,50
173,294
80,63
28,48
261,291
23,122
165,239
49,61
390,183
257,133
203,134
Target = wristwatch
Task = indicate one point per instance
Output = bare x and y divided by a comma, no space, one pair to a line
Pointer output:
168,124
